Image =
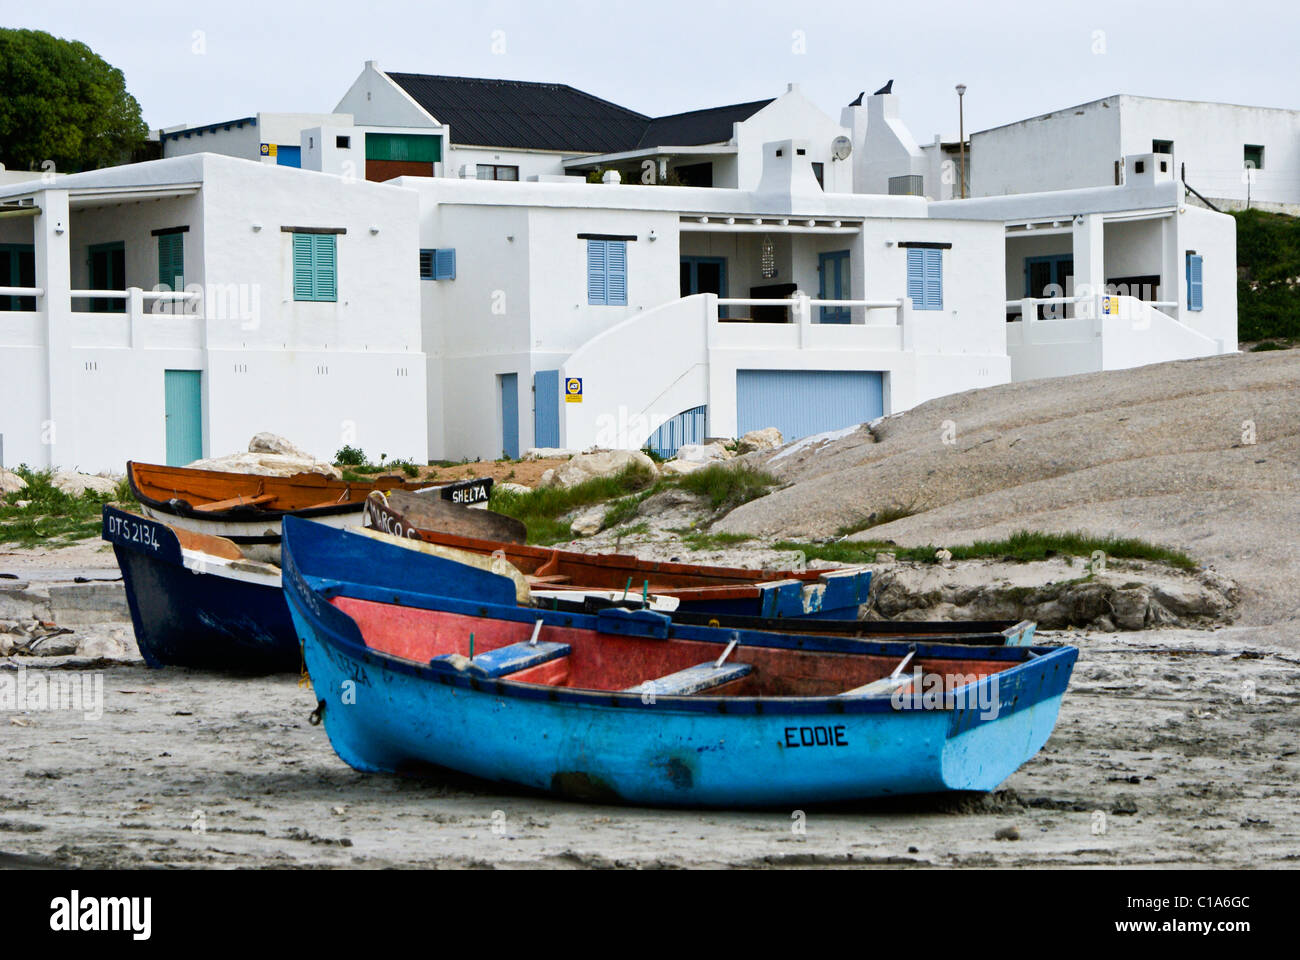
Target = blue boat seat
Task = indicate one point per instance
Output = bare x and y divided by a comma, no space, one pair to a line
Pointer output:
702,676
504,661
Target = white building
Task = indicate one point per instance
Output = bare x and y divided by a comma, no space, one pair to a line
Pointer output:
572,314
296,310
1227,153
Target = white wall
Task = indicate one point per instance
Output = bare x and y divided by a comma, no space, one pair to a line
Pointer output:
375,100
1214,237
1076,147
791,116
531,163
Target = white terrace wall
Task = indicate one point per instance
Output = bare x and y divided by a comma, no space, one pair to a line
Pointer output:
1062,150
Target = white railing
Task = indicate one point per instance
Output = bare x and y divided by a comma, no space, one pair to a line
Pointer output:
801,306
21,292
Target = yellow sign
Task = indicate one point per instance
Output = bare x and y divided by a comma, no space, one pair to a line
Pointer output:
268,150
1107,304
573,390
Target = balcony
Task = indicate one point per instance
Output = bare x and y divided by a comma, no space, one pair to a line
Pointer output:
157,319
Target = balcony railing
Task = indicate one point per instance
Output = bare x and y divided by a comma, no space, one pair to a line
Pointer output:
801,308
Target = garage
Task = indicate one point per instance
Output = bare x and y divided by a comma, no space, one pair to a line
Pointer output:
800,403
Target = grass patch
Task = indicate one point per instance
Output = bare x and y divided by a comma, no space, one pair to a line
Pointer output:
1268,262
702,540
1023,547
727,487
542,508
54,518
879,518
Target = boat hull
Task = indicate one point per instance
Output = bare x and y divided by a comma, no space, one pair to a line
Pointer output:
385,713
201,612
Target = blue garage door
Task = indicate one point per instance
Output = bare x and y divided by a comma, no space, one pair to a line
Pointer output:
803,402
686,427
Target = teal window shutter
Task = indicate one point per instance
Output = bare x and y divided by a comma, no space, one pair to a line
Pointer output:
315,267
933,279
304,277
327,276
444,264
171,261
597,254
925,278
1195,285
616,273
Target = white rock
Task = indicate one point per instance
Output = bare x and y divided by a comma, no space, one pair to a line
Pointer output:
588,521
22,504
601,463
703,452
546,478
274,443
680,467
509,487
769,438
75,484
547,453
267,465
11,482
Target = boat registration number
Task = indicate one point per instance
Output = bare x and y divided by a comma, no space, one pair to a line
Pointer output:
131,530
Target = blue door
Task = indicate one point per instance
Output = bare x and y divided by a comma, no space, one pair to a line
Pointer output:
509,414
803,402
288,156
183,405
546,408
686,427
834,285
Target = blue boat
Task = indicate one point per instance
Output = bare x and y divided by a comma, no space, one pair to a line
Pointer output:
196,602
628,706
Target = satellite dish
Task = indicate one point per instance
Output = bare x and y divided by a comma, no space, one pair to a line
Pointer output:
841,147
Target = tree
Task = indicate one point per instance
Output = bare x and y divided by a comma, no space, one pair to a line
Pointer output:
61,102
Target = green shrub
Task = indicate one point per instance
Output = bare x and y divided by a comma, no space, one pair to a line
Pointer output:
349,456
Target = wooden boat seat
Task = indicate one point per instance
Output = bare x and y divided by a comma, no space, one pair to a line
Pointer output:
216,505
557,578
504,661
702,676
885,685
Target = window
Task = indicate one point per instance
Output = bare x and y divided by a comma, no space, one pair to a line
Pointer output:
607,273
1253,156
315,267
343,143
17,269
438,264
819,171
925,278
497,171
1162,146
171,260
1195,289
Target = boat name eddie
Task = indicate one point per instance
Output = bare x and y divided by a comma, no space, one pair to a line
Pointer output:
815,736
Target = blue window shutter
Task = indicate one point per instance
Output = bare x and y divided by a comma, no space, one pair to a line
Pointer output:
304,286
1195,286
444,264
933,279
327,285
596,272
916,277
616,273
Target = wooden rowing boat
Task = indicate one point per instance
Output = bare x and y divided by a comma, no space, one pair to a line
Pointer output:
247,508
629,706
834,594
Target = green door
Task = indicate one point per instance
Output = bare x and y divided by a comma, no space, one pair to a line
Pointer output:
107,263
184,405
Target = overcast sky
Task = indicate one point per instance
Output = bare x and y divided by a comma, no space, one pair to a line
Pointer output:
220,61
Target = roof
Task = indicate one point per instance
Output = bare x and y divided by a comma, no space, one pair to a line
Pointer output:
523,115
713,125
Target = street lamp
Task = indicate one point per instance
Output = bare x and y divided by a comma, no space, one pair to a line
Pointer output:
961,134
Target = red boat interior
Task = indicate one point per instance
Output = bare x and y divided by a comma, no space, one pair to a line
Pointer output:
585,659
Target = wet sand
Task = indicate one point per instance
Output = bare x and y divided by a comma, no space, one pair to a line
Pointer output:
1173,747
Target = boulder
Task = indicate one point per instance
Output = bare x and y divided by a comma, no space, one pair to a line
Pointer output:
10,482
547,453
509,487
75,484
769,438
267,465
703,452
274,443
679,467
588,521
599,463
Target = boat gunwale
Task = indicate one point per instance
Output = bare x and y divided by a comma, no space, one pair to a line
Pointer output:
1028,662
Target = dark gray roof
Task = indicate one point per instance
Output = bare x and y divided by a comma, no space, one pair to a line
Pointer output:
698,126
524,115
554,116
